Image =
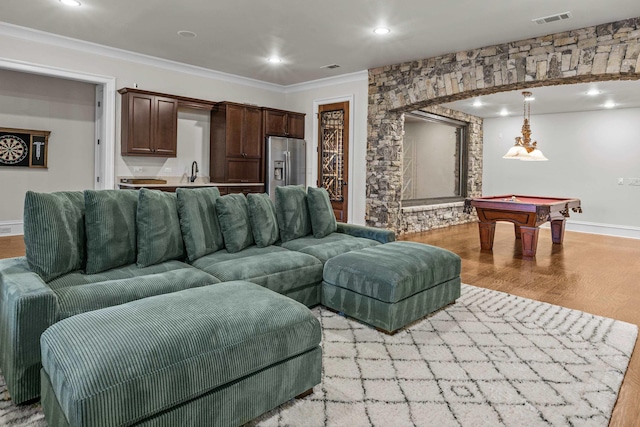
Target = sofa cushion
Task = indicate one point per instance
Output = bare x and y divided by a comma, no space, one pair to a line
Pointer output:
110,223
199,221
144,282
323,220
159,236
54,233
292,212
78,278
233,215
264,223
327,247
273,267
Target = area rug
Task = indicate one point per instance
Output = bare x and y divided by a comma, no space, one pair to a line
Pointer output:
490,359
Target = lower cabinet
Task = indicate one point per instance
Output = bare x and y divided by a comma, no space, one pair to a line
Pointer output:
241,189
224,189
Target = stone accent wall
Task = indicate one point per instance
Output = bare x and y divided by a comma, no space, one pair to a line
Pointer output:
421,218
604,52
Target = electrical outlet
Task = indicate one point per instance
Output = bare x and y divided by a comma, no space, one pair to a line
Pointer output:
168,170
634,181
620,181
137,169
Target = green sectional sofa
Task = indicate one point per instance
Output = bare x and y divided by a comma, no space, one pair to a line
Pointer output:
92,250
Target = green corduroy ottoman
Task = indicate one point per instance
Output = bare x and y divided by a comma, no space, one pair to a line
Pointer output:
219,355
391,285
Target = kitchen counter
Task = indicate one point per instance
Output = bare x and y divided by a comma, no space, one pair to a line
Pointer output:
190,185
171,186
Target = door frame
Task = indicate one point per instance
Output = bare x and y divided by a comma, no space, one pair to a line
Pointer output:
314,151
105,124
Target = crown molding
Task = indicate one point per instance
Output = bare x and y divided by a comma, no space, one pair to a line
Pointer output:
38,36
357,76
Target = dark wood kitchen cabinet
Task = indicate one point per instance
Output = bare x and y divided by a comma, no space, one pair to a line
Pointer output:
149,124
283,123
237,143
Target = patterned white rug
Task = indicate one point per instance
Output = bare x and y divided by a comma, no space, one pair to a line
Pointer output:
490,359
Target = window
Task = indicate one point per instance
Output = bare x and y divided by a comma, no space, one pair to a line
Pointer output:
434,159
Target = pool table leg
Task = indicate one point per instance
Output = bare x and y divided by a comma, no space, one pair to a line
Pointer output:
557,230
487,232
529,241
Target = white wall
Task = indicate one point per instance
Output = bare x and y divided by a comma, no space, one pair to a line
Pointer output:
301,98
588,152
64,107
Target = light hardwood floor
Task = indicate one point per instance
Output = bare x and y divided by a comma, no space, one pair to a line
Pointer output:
592,273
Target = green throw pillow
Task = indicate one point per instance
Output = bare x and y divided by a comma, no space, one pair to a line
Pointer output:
323,220
199,221
233,216
264,224
292,212
110,223
159,237
54,232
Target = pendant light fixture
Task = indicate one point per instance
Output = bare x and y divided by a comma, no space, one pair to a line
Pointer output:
524,149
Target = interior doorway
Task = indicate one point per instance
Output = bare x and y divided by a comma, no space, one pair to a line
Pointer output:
333,155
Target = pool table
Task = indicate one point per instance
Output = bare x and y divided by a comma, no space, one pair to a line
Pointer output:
527,213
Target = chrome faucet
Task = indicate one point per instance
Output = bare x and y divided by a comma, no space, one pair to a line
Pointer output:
194,174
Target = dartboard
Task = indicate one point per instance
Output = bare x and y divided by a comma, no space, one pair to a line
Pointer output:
12,149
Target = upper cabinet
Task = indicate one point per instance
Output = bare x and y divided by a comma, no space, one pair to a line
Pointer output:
149,124
283,123
236,143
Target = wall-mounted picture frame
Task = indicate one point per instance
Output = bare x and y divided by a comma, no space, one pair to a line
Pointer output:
24,147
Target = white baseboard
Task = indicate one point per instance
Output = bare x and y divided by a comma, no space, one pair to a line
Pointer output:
11,228
627,231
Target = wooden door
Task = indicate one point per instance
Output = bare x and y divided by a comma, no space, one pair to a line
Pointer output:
234,130
333,155
137,133
295,125
275,122
252,138
165,140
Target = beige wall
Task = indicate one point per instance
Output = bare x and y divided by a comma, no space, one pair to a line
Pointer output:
127,69
149,74
64,107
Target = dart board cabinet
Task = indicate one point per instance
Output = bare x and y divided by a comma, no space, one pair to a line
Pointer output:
24,148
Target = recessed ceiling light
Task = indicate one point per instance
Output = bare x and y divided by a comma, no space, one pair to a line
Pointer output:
274,60
504,112
593,92
609,104
477,103
188,34
74,3
382,30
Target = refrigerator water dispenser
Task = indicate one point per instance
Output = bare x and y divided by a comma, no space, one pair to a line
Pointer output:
278,170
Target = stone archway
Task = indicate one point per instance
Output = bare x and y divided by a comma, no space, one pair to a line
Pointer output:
604,52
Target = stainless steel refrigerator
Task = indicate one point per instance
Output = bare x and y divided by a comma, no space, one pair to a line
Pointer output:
286,163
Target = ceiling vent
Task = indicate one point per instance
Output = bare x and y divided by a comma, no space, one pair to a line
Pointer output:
330,66
553,18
